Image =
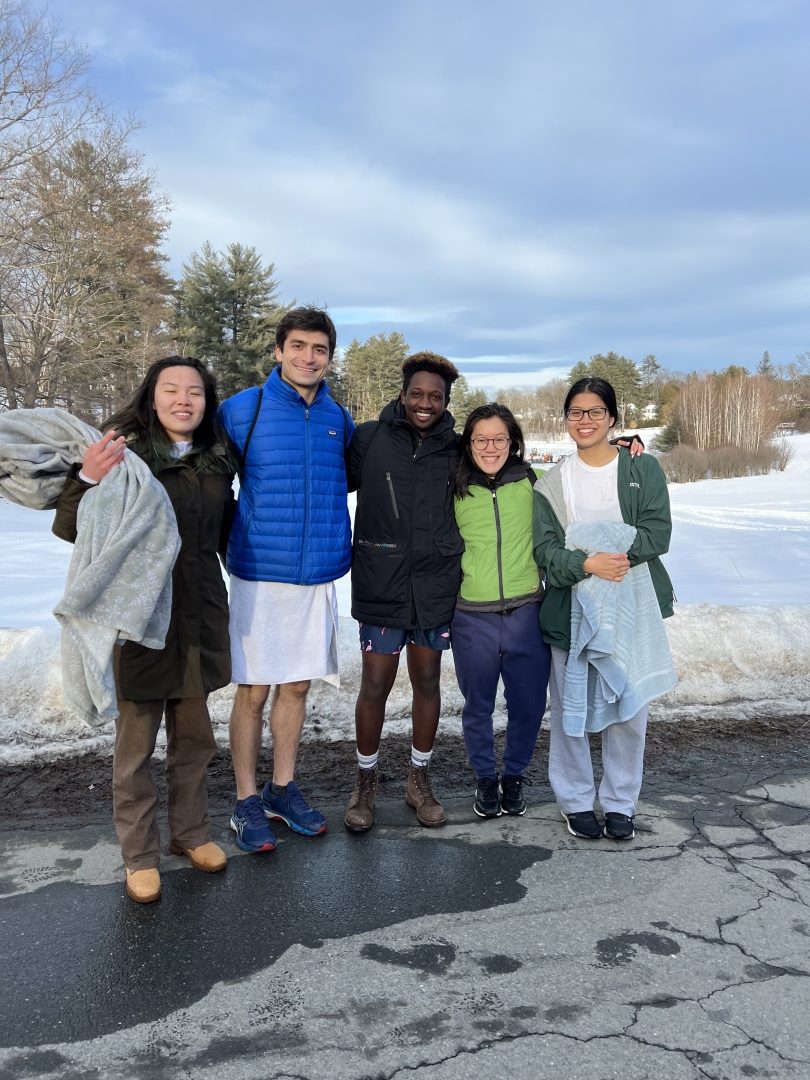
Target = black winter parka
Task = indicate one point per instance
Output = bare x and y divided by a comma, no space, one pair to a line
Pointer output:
406,561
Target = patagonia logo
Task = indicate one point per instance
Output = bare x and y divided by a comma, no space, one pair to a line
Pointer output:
371,543
634,485
330,432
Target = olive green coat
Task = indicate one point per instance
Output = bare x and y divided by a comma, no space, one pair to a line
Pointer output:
196,659
644,502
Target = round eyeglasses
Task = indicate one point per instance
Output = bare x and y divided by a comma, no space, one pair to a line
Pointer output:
500,442
594,414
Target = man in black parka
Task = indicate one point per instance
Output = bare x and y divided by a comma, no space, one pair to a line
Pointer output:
406,571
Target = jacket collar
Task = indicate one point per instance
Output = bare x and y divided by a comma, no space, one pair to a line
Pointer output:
512,471
277,388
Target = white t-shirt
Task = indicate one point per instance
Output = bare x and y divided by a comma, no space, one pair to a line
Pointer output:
591,493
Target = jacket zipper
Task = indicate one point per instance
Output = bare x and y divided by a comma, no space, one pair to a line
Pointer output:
498,548
306,497
393,497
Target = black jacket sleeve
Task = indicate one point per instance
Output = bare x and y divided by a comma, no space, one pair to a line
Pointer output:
67,505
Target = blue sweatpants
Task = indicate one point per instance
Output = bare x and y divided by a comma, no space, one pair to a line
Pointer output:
487,646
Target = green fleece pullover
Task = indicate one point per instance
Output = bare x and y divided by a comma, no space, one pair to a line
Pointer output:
644,503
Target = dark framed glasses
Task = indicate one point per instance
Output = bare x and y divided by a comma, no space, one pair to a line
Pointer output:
594,414
500,442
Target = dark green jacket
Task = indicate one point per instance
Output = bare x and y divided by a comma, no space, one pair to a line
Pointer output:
644,502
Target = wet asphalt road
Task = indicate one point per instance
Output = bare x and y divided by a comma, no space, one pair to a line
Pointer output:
485,949
208,928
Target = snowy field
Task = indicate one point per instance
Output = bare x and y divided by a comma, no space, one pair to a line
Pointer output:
740,564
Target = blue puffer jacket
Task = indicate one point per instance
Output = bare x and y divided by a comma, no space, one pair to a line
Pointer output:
292,522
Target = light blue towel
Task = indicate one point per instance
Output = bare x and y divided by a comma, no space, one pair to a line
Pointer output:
619,659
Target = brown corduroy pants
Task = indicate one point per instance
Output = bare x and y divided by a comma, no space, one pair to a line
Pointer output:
190,746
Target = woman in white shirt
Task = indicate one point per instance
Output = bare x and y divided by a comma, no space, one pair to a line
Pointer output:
598,483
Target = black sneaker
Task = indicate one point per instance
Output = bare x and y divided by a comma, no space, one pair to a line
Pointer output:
584,825
619,827
487,799
512,801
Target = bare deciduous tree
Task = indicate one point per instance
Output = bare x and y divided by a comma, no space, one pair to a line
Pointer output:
44,97
84,288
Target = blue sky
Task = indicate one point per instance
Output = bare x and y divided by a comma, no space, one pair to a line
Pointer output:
516,185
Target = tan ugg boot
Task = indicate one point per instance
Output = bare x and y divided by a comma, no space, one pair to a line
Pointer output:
143,886
208,857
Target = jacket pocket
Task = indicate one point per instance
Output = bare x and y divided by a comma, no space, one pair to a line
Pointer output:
452,545
380,571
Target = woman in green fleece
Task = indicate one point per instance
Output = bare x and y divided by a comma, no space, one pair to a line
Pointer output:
495,631
599,483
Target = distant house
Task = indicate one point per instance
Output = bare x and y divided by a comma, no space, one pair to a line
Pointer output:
650,412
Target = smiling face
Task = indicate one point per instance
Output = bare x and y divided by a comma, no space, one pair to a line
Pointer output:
180,402
490,445
587,432
424,400
304,360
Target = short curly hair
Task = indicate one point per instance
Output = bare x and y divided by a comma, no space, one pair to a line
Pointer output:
435,364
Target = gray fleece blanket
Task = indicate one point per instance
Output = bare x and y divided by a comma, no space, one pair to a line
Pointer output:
619,659
119,584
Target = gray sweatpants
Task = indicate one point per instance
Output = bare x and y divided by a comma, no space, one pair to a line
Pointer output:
569,761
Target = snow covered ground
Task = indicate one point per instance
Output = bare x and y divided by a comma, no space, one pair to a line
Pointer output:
740,563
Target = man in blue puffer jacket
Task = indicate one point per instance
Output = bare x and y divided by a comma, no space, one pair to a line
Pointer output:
290,541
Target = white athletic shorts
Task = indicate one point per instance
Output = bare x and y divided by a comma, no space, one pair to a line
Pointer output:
283,633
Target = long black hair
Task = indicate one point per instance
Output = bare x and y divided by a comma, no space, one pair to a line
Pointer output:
466,466
138,420
592,385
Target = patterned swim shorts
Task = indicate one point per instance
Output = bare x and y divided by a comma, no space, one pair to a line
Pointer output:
391,642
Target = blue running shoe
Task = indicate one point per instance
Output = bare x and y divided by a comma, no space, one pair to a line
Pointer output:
250,825
293,808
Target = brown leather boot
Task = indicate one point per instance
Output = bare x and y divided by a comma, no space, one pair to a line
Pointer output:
420,796
360,814
143,886
208,857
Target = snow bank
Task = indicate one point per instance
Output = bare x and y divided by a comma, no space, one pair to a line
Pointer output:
732,662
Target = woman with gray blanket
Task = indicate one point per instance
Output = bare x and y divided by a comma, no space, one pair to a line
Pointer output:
171,424
601,521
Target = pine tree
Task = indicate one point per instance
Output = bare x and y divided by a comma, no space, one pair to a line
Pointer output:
650,379
621,373
227,314
370,375
463,400
765,367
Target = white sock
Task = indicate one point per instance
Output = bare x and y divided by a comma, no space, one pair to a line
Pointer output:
367,761
419,759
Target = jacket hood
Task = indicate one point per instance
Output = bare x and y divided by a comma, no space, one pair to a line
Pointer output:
550,485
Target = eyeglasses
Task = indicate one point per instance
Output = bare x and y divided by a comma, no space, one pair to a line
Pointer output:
594,414
500,442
